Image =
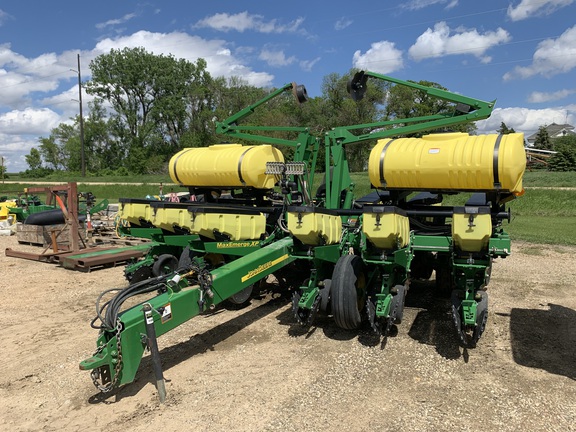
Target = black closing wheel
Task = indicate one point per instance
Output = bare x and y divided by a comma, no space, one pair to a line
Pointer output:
348,292
241,298
398,303
165,264
140,274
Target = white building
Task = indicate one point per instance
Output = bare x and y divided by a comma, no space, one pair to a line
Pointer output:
554,131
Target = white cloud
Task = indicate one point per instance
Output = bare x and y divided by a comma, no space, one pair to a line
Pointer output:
552,57
342,23
4,16
29,121
539,97
20,76
438,42
48,81
275,57
13,148
382,57
530,8
117,21
67,103
244,21
527,120
421,4
307,65
220,60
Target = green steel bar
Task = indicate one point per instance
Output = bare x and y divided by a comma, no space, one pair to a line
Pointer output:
439,93
178,306
431,243
479,110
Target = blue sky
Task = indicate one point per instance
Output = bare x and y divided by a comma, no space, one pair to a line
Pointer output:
520,52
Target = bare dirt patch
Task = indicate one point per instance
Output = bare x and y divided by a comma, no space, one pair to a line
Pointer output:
254,370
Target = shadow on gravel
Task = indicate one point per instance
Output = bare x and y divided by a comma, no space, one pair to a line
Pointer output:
198,344
545,339
433,324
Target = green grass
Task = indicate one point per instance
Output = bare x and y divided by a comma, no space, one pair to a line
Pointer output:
549,179
542,229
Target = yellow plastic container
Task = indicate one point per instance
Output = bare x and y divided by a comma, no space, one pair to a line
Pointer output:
225,165
386,227
236,226
314,226
471,228
169,218
451,161
134,211
5,209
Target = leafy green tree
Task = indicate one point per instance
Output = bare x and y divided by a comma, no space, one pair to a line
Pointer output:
504,130
103,151
52,154
157,100
542,139
234,94
565,157
62,149
33,159
406,102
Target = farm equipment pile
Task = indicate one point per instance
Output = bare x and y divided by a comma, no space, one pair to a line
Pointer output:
252,213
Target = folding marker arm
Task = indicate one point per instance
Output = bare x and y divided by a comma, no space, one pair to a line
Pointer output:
466,110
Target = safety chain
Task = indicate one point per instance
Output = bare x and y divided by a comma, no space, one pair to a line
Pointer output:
96,375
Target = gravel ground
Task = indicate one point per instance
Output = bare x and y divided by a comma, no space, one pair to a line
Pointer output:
253,370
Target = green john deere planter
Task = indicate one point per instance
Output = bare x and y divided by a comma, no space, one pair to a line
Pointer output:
250,213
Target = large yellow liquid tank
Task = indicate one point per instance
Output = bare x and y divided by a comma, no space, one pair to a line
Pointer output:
224,165
450,161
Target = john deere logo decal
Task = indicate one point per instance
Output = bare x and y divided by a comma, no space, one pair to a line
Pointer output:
263,267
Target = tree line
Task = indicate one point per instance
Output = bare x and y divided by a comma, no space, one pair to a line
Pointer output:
147,107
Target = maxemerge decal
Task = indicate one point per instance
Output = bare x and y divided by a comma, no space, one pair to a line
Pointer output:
227,245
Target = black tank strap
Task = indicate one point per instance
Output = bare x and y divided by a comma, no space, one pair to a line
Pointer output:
496,173
382,156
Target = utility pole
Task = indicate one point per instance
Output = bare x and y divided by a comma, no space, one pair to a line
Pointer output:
81,120
2,171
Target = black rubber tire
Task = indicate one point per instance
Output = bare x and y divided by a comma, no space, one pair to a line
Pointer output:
348,292
49,217
241,298
164,264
